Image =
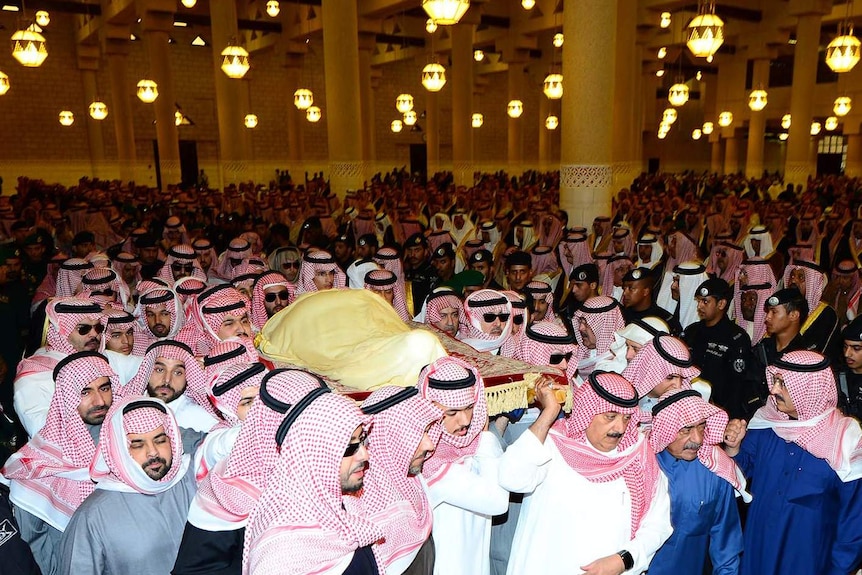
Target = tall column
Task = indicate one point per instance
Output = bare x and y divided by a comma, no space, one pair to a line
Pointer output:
94,127
853,166
544,134
233,136
432,133
731,155
156,26
626,63
715,160
344,125
809,14
757,122
586,174
462,103
366,101
117,51
516,89
295,117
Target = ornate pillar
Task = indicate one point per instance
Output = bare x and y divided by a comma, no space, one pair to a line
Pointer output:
757,122
544,134
432,133
88,63
853,166
516,87
462,102
731,154
366,100
627,64
586,174
295,117
344,124
117,50
156,25
716,161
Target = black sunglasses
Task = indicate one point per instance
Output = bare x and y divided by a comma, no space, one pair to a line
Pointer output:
557,358
293,264
106,292
518,319
84,328
353,447
179,267
490,317
283,295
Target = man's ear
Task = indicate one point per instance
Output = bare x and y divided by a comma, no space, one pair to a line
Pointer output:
722,304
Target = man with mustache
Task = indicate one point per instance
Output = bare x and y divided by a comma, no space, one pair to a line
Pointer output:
462,473
489,320
803,459
159,312
686,435
133,521
48,476
596,500
73,325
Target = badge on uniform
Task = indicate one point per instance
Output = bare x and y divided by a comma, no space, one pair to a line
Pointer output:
739,365
704,292
636,274
772,301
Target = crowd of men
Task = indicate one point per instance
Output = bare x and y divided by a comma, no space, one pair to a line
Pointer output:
705,331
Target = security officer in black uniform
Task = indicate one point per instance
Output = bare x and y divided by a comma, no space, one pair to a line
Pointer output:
418,271
719,347
639,299
583,284
849,374
482,261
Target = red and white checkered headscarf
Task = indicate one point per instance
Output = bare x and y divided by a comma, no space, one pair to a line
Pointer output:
544,261
480,302
69,276
225,390
542,339
541,291
380,280
246,272
174,224
99,279
665,355
227,353
734,259
604,317
63,315
820,429
50,474
756,329
682,408
455,384
154,294
231,490
387,258
614,263
512,346
815,281
237,249
113,468
574,247
262,283
188,288
214,308
625,235
183,254
319,261
440,300
686,250
395,500
633,459
303,522
203,245
114,319
196,380
755,272
123,260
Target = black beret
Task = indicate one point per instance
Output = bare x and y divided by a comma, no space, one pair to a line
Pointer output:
585,273
715,287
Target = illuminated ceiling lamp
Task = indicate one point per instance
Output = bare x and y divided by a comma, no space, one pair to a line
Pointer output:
410,117
662,52
445,12
43,18
4,83
404,103
235,63
434,77
842,105
553,86
430,26
67,118
783,136
705,31
696,134
313,114
29,47
669,116
677,95
189,3
665,20
785,121
842,53
725,119
478,120
815,128
273,8
179,118
551,122
250,121
148,91
831,123
98,110
528,4
559,38
515,108
707,128
303,99
396,126
757,100
478,55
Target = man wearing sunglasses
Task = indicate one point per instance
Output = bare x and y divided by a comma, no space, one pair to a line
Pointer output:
489,320
73,326
270,294
182,261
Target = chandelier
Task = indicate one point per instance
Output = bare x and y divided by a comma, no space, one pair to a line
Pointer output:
29,47
445,12
478,120
705,31
313,114
725,119
677,95
396,126
303,99
273,8
404,103
4,83
831,123
43,18
707,128
842,53
98,110
515,108
757,100
696,134
409,118
250,121
235,63
67,118
189,3
842,105
815,128
559,39
669,116
430,26
434,77
148,91
551,122
553,86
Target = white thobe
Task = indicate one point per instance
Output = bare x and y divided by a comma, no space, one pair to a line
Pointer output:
190,415
125,366
567,522
33,392
464,501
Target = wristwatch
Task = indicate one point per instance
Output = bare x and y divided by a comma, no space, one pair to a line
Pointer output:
628,560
